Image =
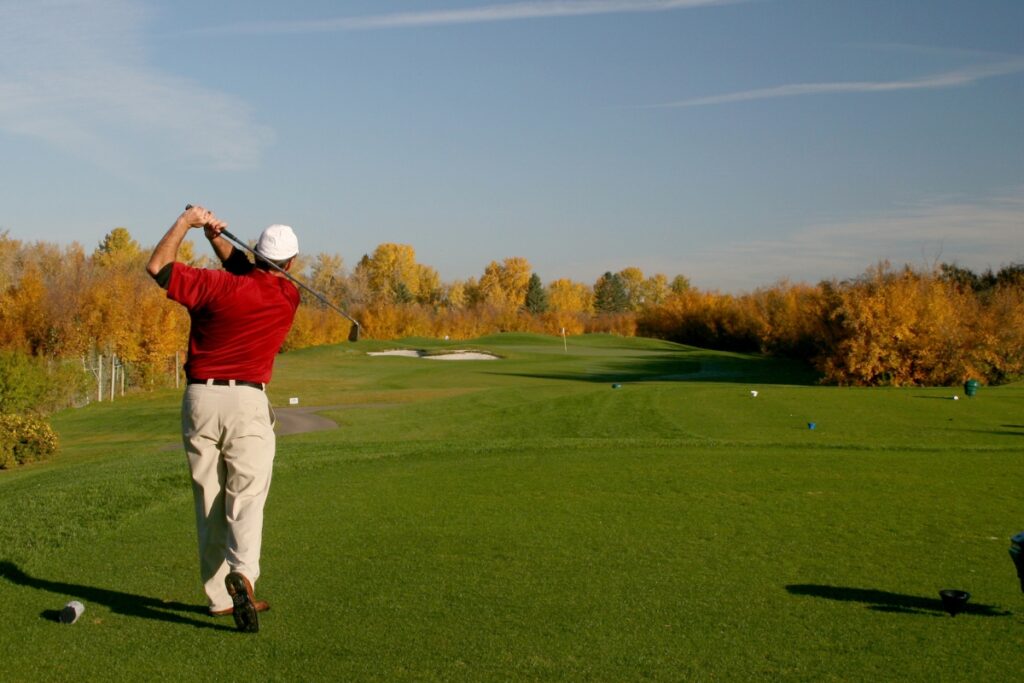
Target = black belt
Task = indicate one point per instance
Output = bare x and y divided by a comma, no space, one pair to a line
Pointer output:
228,383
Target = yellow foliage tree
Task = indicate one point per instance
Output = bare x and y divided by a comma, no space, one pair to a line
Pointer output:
393,274
428,285
632,279
455,295
328,277
899,328
505,284
490,290
117,248
655,290
567,296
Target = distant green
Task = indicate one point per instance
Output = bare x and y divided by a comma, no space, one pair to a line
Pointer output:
520,519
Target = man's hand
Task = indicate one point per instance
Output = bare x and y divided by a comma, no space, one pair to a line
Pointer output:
214,229
193,217
199,217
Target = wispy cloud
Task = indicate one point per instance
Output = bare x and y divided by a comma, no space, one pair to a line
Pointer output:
74,74
948,79
978,234
514,11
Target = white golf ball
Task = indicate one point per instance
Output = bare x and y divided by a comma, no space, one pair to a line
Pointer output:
956,398
754,394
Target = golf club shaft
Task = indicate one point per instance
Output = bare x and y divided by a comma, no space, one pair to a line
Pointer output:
284,272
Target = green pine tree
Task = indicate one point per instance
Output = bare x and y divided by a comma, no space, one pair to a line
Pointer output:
536,295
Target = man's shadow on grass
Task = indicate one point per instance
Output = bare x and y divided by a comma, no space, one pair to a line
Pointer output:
119,602
884,601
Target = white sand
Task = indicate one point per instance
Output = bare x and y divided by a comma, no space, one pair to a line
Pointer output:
453,355
462,355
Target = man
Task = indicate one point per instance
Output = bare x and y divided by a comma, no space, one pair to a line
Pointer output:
240,316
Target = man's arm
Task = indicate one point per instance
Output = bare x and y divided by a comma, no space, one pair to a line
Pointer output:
221,247
166,251
233,260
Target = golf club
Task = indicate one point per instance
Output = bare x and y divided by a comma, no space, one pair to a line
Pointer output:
353,333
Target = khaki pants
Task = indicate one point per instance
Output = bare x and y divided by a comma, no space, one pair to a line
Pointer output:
229,439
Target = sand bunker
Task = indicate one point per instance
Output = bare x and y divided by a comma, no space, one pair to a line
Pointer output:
462,355
450,355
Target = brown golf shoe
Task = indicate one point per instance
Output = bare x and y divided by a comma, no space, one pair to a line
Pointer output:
244,609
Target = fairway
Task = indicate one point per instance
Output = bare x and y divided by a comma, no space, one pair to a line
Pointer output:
521,519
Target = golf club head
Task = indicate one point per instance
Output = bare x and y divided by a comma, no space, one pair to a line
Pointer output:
1017,555
353,333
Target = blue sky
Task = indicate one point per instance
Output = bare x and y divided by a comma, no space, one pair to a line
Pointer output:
736,142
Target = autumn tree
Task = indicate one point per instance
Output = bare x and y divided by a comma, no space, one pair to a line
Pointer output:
9,252
610,295
632,279
569,305
998,348
965,278
655,290
489,289
117,248
680,284
792,319
428,287
24,316
454,294
899,327
392,273
566,296
327,276
1011,275
504,284
359,290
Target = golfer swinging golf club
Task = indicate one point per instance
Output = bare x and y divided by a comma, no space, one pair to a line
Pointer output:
239,319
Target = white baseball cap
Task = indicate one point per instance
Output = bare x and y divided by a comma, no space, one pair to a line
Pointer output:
278,243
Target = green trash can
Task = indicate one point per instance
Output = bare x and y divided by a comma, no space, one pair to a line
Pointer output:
971,387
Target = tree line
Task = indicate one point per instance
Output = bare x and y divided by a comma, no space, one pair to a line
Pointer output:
891,325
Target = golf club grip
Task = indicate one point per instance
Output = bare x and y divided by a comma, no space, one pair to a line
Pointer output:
284,272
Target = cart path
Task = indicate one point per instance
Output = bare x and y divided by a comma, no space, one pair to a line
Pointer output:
292,421
303,420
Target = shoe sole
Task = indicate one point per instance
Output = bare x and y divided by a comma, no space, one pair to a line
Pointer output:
244,612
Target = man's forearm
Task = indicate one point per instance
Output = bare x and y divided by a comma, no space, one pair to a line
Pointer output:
166,250
221,247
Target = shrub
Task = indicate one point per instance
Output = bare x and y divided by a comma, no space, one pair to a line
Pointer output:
33,385
25,439
622,324
23,382
6,454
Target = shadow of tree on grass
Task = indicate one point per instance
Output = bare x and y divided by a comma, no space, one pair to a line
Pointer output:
885,601
120,602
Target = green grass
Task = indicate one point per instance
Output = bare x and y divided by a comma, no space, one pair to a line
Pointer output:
520,519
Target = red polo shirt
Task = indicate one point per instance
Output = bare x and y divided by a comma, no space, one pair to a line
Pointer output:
238,321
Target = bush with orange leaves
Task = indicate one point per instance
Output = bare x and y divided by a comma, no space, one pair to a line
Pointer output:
622,324
894,327
897,327
998,351
708,319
